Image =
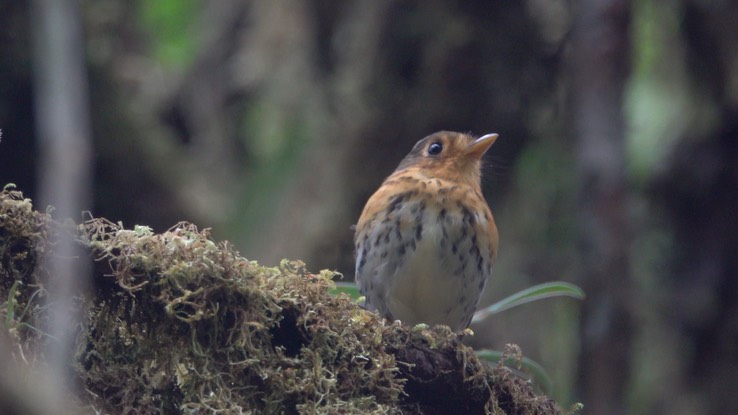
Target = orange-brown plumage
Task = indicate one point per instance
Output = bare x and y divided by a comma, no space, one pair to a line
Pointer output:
426,239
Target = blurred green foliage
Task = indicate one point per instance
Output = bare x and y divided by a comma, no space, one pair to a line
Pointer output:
169,23
660,101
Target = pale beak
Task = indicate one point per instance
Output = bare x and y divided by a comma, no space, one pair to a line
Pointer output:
480,146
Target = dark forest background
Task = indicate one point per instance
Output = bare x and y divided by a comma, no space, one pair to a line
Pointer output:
271,122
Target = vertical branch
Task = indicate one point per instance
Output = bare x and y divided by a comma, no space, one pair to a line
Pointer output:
599,69
62,116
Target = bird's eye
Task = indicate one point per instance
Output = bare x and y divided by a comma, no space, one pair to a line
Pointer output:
435,149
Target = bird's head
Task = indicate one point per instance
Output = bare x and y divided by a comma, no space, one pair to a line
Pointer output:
450,156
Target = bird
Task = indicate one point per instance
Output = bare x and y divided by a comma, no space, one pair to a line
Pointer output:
426,240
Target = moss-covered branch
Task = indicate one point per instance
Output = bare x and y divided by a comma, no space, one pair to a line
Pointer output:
180,323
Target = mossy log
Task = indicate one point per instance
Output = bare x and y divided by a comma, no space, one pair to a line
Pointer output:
178,323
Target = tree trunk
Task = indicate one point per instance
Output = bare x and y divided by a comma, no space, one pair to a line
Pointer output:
599,69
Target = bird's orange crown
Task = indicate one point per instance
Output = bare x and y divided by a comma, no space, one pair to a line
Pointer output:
449,155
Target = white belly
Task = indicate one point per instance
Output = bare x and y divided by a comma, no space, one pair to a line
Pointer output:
428,287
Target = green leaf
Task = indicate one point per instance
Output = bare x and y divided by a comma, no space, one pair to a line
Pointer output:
10,316
534,293
347,287
535,370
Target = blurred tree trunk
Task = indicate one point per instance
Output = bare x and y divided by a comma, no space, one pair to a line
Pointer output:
698,190
65,167
598,72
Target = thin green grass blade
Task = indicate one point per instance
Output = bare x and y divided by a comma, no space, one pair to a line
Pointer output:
534,293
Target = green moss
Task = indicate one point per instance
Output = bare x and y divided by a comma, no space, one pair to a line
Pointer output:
244,335
179,323
25,235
